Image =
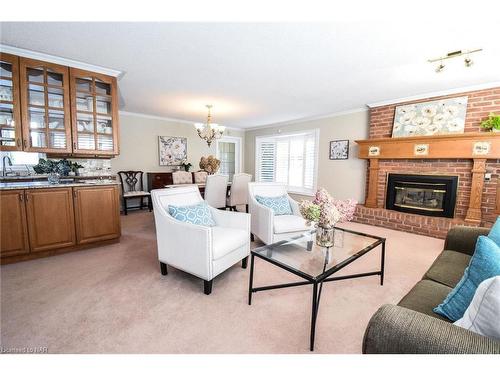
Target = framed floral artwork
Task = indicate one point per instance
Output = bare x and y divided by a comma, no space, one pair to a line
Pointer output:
339,150
446,116
172,150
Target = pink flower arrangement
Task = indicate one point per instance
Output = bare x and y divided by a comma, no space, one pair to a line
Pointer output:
327,211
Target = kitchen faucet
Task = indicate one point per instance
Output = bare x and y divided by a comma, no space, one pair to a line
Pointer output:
3,164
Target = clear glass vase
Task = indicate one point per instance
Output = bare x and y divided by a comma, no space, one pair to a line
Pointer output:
325,236
53,178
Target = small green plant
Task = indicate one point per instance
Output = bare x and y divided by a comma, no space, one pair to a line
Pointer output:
492,122
63,167
187,166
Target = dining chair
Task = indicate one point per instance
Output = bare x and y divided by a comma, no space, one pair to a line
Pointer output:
133,188
216,190
238,195
182,177
200,177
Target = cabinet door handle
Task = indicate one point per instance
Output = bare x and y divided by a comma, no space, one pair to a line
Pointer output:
21,197
18,142
27,196
25,143
74,146
74,194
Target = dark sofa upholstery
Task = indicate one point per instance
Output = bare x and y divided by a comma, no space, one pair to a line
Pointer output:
412,327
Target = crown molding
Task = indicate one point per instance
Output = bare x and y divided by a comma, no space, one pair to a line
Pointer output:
171,119
60,60
432,94
306,119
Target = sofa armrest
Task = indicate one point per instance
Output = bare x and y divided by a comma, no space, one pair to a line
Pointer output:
463,239
398,330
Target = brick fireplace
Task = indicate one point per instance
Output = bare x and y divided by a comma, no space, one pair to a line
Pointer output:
476,203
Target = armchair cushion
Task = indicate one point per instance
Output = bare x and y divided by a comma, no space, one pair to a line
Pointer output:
226,240
198,214
280,205
289,223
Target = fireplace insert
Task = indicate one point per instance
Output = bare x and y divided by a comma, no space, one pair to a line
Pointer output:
428,195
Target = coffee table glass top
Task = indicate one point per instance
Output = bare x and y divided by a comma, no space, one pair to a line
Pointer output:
301,255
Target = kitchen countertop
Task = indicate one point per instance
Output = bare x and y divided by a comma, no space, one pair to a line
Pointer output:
46,184
44,177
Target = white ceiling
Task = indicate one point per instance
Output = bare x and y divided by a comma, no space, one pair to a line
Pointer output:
262,73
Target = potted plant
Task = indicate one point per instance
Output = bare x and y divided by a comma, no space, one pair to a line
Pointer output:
492,123
326,212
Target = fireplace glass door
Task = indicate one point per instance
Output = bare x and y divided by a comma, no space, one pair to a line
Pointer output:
422,198
429,195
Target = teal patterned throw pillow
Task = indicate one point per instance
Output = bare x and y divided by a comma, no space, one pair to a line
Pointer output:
484,264
198,214
280,205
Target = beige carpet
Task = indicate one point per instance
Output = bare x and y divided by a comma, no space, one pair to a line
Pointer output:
113,299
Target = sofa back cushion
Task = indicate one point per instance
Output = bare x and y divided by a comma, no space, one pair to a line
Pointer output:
483,314
198,214
484,264
280,205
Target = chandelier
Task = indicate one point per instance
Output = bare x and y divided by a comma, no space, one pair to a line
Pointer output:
209,131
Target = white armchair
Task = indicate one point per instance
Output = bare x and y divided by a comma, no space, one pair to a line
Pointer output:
267,226
201,251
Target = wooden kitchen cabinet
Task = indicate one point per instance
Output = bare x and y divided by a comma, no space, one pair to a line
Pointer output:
94,108
13,225
45,107
97,213
11,138
51,219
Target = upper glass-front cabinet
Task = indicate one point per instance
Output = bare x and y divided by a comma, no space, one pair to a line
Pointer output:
45,106
95,113
10,114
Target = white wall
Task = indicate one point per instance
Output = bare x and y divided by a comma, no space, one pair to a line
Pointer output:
342,178
139,143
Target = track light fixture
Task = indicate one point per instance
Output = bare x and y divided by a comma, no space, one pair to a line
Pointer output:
450,55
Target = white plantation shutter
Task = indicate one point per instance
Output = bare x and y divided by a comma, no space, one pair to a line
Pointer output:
290,159
266,155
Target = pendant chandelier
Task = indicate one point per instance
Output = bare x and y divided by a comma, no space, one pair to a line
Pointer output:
209,131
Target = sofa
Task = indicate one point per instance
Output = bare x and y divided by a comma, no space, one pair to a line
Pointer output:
411,327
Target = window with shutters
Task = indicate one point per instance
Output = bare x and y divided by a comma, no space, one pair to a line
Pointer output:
291,159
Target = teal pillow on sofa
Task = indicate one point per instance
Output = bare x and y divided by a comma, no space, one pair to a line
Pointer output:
495,232
198,214
484,264
280,205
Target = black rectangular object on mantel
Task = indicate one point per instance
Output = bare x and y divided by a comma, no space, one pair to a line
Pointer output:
429,195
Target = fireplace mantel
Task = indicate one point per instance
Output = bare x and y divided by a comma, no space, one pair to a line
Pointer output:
476,146
483,145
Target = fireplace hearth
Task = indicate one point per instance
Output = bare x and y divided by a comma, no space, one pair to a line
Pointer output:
429,195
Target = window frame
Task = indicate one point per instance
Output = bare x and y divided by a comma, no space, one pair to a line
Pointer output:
303,191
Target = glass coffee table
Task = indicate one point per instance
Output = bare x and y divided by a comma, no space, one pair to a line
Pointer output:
301,256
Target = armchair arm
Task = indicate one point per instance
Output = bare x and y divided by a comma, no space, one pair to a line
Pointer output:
239,220
397,330
184,245
262,220
463,239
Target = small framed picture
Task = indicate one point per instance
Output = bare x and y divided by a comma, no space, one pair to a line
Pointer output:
339,150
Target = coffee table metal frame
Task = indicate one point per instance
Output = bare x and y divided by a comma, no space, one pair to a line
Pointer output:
317,281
